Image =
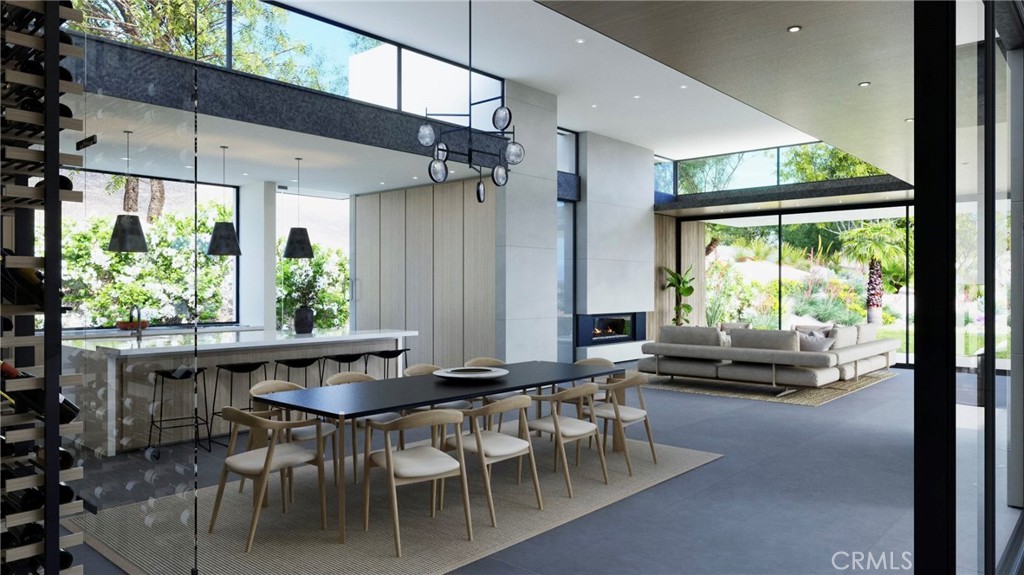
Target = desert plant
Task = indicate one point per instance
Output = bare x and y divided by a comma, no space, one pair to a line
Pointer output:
873,243
762,250
683,286
795,257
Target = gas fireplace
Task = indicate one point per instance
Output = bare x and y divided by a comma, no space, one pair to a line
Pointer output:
610,328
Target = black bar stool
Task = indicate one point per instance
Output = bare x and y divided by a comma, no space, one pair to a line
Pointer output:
302,363
156,410
387,355
232,369
347,358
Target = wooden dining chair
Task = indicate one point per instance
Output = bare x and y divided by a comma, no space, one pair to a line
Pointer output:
342,378
258,463
301,434
492,447
416,464
616,410
427,369
564,428
488,399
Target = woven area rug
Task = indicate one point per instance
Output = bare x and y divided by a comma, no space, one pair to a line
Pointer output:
155,537
807,396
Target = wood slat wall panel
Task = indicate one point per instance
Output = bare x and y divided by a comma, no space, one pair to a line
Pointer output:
665,244
392,260
366,270
480,251
691,250
448,274
419,272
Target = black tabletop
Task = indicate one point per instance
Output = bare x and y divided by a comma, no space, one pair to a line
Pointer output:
370,397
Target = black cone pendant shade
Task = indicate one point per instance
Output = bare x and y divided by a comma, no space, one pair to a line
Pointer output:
223,240
127,235
298,245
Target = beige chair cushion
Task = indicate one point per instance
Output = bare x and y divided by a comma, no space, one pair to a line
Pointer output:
385,417
607,411
460,404
285,455
495,444
500,396
570,427
420,461
307,433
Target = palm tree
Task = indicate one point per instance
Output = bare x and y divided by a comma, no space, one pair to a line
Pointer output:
873,243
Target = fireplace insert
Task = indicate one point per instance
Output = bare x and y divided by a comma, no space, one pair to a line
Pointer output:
609,328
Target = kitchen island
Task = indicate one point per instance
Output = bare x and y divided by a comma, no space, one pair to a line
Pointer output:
116,396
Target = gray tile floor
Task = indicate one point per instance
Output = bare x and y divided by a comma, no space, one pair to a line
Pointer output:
796,486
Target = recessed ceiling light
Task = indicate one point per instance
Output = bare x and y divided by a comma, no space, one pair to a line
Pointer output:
415,177
593,105
864,84
126,158
382,183
245,173
188,167
683,87
581,40
294,180
909,120
794,29
636,97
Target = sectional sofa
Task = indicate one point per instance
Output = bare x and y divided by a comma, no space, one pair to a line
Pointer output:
784,359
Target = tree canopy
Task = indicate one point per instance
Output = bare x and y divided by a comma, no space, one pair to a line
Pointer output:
820,161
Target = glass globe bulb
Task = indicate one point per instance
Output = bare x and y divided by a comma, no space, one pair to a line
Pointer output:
441,151
499,175
426,135
438,171
501,118
514,152
481,192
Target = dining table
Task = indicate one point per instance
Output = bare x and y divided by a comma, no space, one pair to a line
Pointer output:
356,400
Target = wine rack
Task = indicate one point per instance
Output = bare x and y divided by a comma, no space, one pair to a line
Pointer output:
32,119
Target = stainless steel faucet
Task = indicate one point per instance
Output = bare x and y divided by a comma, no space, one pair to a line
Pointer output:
135,315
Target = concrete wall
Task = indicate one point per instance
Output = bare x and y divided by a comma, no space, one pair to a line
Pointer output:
615,227
256,237
527,232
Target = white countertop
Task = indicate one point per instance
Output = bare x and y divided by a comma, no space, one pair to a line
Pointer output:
184,343
155,331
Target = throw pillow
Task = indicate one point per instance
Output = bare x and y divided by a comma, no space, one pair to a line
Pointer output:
728,326
844,336
867,332
823,328
815,342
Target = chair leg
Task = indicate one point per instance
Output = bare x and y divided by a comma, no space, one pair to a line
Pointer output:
355,455
220,494
261,489
560,450
650,439
394,512
323,492
536,480
604,463
485,470
284,491
465,501
625,445
366,481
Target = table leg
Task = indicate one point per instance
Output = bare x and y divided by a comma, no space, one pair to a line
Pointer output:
339,475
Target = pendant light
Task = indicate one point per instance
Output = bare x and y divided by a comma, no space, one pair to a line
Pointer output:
127,235
224,239
298,245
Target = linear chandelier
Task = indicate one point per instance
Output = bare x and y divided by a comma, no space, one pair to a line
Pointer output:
512,154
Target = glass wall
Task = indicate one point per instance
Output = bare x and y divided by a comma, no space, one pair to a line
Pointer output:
835,267
770,167
99,285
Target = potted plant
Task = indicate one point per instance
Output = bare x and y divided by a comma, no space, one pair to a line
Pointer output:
303,292
683,286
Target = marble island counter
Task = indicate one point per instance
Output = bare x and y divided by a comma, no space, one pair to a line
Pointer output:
119,394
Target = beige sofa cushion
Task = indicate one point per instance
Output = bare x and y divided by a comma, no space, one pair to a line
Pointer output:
814,341
759,373
667,365
845,336
823,328
691,335
867,332
766,339
728,326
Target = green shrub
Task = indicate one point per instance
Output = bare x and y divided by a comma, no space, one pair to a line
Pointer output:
330,268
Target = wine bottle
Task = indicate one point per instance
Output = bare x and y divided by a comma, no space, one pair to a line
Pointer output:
30,533
67,494
65,183
9,539
25,500
67,459
67,559
34,400
14,471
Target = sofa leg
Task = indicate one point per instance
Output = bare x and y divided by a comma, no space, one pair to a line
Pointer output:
786,391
